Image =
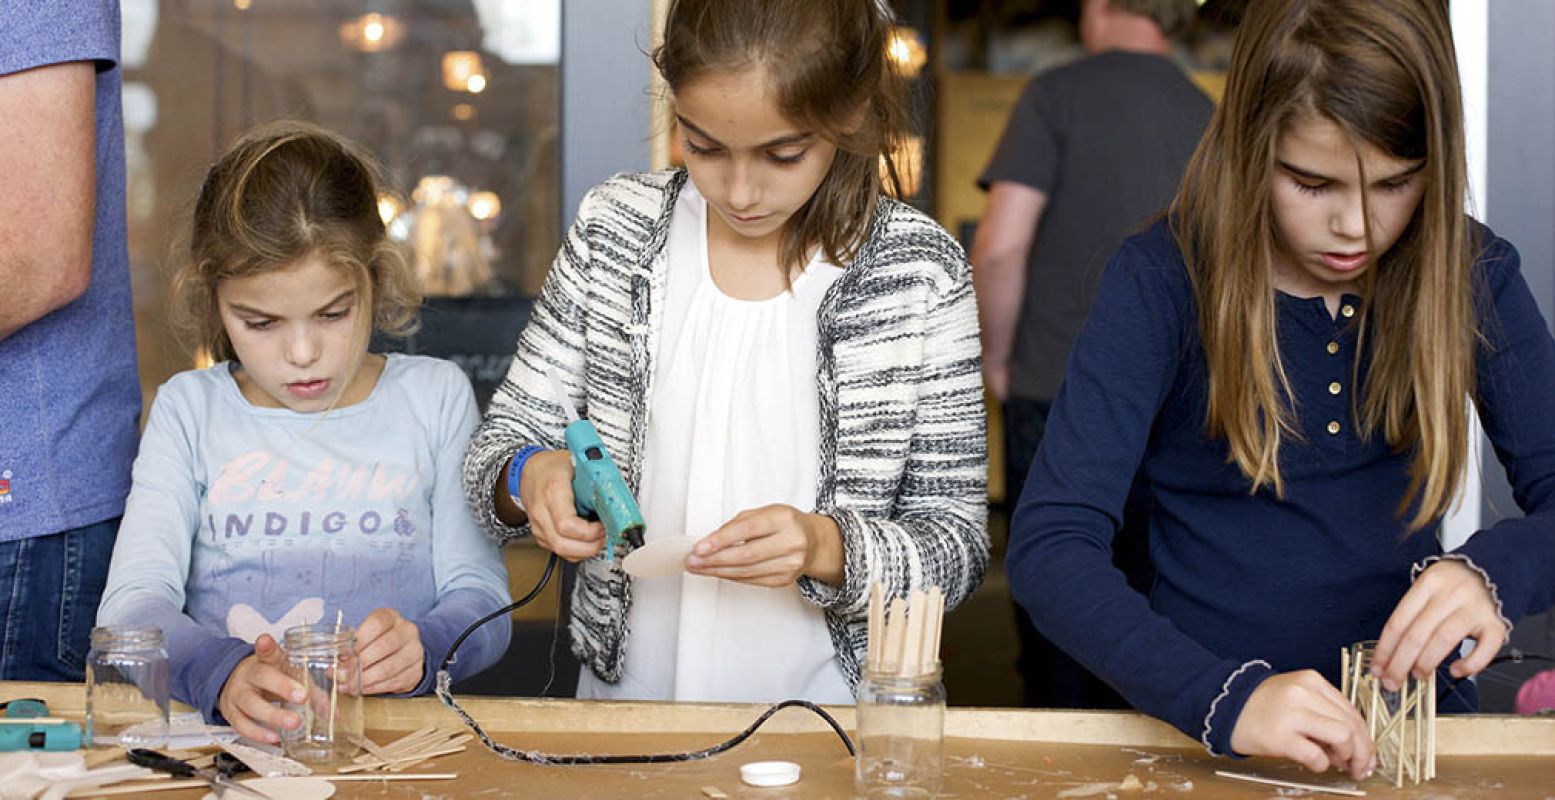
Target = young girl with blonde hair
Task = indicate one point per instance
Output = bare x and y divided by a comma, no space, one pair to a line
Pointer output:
782,360
1289,356
302,479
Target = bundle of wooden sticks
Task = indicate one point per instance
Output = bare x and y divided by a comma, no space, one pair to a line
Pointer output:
904,639
1403,724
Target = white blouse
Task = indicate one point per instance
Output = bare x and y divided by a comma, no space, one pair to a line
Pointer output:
733,425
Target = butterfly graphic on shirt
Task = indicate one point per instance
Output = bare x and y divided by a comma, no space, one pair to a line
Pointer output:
248,623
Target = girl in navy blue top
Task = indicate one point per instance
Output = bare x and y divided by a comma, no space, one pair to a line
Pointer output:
1289,359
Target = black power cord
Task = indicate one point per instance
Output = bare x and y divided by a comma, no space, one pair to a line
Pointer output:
1512,656
445,694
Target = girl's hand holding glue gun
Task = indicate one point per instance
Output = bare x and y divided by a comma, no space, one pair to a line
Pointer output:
545,489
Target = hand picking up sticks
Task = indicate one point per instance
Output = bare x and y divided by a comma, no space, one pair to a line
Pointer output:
904,640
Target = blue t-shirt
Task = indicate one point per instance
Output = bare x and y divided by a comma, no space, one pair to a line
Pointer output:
69,391
246,520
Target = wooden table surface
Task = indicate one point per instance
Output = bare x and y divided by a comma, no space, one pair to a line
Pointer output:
989,753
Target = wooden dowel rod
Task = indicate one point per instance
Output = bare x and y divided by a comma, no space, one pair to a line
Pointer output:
398,776
1430,735
1311,787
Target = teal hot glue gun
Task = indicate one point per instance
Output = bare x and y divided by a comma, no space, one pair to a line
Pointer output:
598,490
18,734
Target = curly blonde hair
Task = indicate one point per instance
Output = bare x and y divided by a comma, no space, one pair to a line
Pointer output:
283,192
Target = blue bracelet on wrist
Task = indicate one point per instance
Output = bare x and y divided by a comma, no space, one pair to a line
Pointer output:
516,468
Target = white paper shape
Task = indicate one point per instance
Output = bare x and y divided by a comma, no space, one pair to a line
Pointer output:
659,558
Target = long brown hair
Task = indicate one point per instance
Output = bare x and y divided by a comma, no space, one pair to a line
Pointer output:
1384,72
828,65
285,191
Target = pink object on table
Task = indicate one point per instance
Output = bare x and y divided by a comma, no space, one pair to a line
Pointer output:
1537,693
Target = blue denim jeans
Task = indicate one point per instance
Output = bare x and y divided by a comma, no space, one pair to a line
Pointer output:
49,590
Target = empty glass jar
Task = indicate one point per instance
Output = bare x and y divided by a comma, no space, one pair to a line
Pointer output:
901,735
127,687
323,659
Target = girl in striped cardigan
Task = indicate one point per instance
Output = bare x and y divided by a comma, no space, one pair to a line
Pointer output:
782,359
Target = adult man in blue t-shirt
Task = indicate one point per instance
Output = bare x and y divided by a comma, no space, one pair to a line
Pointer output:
69,392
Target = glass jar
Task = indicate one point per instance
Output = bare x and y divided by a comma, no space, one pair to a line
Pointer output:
127,687
901,735
323,659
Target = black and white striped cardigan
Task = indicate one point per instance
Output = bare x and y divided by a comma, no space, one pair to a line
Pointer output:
903,454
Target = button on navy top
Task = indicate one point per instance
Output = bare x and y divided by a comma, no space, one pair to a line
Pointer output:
1247,577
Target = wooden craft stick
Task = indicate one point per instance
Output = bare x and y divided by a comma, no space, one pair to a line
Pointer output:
895,628
1310,787
912,642
400,746
457,742
436,740
32,720
416,760
937,623
133,788
372,748
409,738
99,757
437,737
876,626
417,757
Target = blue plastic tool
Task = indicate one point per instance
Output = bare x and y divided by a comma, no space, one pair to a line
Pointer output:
38,735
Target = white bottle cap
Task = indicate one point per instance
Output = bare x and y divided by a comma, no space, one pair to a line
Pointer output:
770,773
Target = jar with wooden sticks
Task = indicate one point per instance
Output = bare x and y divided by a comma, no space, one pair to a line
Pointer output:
323,659
1402,722
901,699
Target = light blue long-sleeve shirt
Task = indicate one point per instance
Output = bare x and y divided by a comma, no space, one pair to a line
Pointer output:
245,520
